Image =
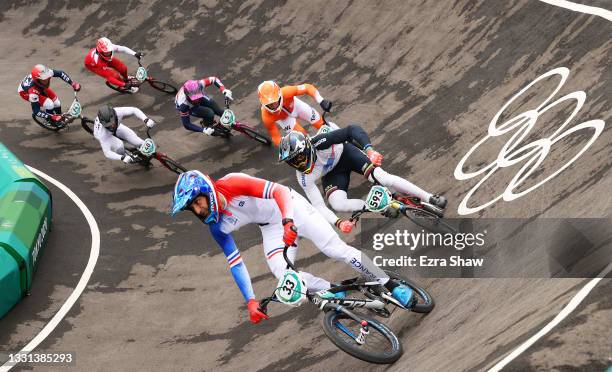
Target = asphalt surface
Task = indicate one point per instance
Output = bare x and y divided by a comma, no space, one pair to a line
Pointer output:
423,78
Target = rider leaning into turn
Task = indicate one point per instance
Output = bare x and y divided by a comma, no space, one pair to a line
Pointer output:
281,107
101,61
111,132
35,89
238,199
331,156
192,100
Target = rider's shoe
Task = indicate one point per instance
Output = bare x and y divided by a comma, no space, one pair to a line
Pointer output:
401,292
327,294
133,90
438,200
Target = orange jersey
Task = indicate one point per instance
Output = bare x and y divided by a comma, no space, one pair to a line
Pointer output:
290,110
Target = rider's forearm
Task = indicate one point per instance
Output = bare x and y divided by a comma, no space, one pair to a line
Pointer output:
190,126
243,280
317,201
130,111
213,80
234,260
64,76
124,49
351,133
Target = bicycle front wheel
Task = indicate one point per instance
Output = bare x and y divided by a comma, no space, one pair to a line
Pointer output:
47,124
163,87
88,125
253,134
380,345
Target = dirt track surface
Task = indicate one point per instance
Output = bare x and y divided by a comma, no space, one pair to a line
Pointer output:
424,79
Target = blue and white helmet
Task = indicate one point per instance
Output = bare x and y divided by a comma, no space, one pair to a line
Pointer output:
189,186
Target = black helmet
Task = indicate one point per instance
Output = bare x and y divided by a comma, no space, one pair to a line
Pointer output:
107,116
296,150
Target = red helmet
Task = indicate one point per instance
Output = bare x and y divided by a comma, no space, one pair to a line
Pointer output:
104,47
42,75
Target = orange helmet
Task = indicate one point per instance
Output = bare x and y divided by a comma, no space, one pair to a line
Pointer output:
42,75
270,96
105,48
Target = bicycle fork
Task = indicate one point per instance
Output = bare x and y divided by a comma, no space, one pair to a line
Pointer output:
363,329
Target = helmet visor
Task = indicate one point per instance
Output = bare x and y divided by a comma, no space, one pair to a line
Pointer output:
300,162
43,82
274,106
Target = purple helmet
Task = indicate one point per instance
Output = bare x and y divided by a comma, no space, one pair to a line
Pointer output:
193,89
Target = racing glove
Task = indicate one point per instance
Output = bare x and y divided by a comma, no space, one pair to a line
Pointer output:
127,159
208,131
228,94
374,156
76,86
346,226
326,105
255,314
290,234
139,55
150,123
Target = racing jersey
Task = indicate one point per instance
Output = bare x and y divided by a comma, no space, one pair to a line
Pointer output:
184,106
288,110
34,92
93,58
329,144
106,137
249,200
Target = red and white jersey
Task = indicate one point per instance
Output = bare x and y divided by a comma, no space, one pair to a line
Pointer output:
252,200
93,58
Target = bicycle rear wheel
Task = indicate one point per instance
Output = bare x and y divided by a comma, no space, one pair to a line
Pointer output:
425,301
121,90
163,87
253,134
48,125
171,164
428,220
221,132
381,344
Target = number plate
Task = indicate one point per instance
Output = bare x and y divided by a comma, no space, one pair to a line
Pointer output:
147,148
141,74
75,109
378,199
291,289
228,119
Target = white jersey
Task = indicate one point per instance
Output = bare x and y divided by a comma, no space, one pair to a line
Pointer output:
326,161
249,209
112,146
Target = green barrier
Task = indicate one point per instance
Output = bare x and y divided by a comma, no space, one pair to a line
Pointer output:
25,222
9,282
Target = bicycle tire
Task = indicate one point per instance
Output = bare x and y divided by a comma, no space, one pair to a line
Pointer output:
426,303
428,220
121,90
171,164
253,134
88,125
348,345
44,123
221,132
163,87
